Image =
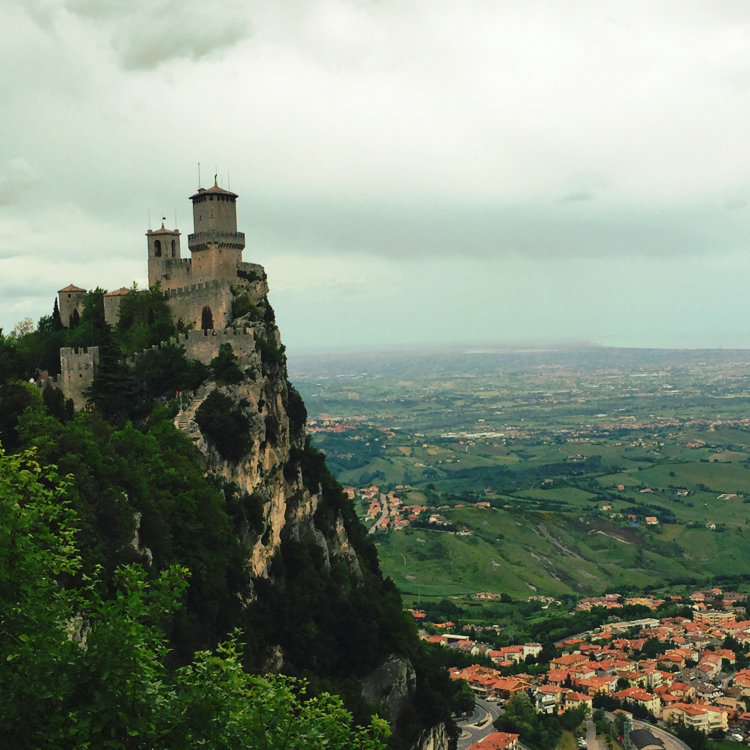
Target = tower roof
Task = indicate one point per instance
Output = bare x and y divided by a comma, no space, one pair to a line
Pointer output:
121,292
163,230
212,190
71,288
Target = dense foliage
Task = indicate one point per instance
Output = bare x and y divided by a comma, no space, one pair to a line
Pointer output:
81,670
145,597
224,425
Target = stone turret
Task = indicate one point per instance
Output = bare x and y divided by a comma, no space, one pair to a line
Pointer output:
77,368
112,302
163,246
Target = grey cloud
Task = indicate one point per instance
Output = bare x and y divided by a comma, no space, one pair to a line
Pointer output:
189,34
18,176
25,291
578,195
145,34
533,231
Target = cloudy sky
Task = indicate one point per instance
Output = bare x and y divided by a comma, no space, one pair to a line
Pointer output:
409,171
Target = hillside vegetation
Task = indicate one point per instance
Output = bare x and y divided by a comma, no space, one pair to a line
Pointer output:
132,613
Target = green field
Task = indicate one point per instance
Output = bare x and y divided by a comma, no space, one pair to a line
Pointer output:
574,450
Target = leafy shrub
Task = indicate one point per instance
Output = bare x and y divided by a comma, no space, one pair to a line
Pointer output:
250,276
224,366
224,426
243,305
144,319
270,354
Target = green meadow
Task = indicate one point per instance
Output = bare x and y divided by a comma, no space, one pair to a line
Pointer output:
573,451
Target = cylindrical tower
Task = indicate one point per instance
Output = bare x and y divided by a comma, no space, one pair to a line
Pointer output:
215,245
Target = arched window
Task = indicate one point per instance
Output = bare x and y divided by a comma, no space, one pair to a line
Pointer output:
173,248
207,319
157,248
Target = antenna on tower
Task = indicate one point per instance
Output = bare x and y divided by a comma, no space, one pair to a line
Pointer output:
229,182
175,218
199,175
149,220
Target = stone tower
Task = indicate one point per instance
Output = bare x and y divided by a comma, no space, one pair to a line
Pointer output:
70,300
215,245
163,247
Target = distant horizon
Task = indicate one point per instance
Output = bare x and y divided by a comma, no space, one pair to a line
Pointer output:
473,347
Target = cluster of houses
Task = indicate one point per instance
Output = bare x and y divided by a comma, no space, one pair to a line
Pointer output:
616,601
692,679
386,510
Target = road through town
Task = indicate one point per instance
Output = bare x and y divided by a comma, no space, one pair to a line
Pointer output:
479,724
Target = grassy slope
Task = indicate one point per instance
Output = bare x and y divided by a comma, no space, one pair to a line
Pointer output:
523,553
553,535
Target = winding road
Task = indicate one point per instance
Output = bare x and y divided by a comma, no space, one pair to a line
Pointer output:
479,724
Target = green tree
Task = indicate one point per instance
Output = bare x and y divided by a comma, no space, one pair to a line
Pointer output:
463,699
84,670
224,426
224,365
144,319
91,329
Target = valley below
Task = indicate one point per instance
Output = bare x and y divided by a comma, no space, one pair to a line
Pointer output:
544,473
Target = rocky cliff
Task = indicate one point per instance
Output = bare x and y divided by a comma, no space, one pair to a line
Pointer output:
316,603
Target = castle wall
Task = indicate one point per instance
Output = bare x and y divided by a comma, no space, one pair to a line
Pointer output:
204,345
173,273
77,367
189,302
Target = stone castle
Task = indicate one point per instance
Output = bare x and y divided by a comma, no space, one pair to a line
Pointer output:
199,289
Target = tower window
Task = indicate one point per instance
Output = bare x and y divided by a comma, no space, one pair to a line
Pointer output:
157,248
173,248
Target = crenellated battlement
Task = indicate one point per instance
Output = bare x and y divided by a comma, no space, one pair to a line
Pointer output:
204,345
172,263
195,288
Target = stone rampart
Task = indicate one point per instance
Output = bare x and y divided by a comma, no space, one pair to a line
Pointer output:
207,305
204,345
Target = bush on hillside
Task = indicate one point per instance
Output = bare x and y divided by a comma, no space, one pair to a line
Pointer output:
224,426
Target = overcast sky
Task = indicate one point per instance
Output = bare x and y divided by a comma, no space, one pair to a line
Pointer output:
408,171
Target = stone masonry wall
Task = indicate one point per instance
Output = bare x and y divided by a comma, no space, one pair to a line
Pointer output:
204,345
188,303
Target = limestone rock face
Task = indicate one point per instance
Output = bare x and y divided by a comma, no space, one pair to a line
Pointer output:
261,397
281,504
435,738
392,683
266,472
